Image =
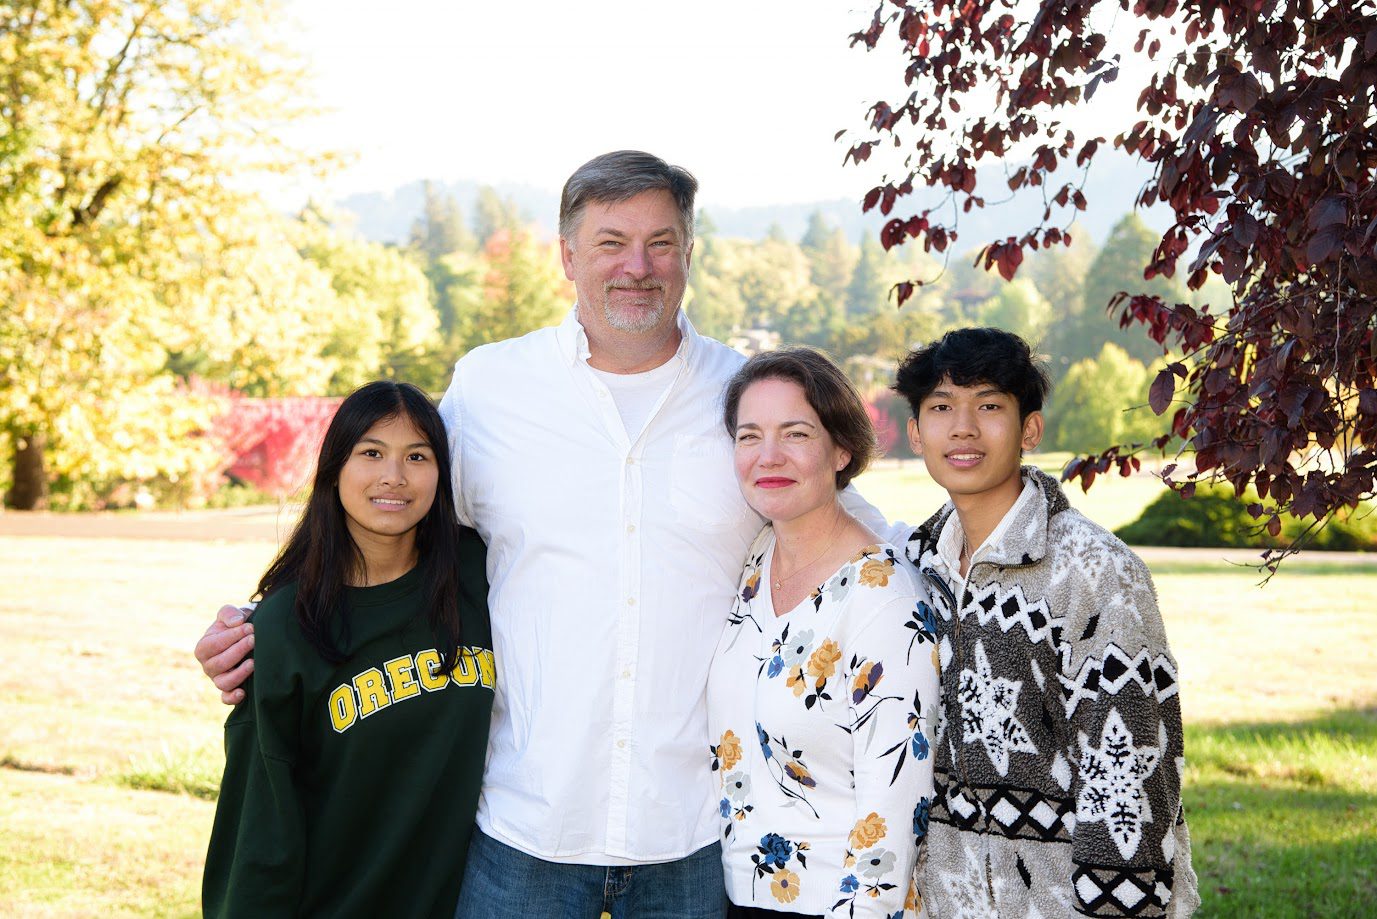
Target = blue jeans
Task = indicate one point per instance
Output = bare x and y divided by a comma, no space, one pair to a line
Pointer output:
505,883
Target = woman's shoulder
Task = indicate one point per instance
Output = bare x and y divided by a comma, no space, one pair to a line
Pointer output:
881,575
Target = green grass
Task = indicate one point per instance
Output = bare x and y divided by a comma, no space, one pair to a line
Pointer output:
1283,816
191,771
110,737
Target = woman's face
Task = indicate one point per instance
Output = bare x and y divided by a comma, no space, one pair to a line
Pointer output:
388,483
786,462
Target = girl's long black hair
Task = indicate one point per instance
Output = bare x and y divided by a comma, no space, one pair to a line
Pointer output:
321,556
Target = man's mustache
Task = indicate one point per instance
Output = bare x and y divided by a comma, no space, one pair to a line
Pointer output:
647,284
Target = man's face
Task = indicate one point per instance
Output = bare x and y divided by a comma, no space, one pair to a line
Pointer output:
629,262
971,439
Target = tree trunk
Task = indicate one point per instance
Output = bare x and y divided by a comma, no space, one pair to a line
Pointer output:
30,489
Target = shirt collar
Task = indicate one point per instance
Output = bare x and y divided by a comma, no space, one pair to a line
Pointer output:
950,540
573,340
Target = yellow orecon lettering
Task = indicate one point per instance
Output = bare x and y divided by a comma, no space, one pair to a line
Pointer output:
427,663
343,711
487,667
399,675
372,692
466,670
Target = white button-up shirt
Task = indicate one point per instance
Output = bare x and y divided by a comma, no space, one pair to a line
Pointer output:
612,565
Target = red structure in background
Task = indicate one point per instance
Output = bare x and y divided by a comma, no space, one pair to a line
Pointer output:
273,443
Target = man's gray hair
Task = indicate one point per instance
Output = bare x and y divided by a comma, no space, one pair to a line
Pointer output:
620,176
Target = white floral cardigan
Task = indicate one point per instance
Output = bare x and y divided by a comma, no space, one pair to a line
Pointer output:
822,724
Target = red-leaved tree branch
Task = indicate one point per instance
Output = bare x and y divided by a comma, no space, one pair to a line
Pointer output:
1261,127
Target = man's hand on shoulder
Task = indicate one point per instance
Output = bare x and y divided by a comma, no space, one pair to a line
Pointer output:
223,652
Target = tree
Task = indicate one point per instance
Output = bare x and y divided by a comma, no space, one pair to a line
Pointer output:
1117,267
713,301
773,278
493,214
831,259
521,289
1059,273
869,287
1260,121
1019,308
125,242
1102,401
384,325
440,228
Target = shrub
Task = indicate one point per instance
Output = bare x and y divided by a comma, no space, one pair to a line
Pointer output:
1214,518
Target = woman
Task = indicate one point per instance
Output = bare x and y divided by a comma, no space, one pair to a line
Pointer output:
822,697
353,764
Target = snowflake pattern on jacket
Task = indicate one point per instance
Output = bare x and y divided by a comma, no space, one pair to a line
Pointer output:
1059,749
823,723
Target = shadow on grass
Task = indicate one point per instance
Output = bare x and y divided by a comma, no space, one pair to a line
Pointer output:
1283,816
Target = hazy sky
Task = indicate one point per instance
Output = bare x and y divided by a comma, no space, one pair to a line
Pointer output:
745,93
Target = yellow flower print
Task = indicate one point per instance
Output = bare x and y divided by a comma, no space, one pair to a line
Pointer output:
799,773
729,750
876,572
912,903
796,681
823,662
784,885
868,550
869,674
867,831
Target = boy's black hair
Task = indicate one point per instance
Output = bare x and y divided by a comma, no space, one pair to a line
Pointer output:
969,356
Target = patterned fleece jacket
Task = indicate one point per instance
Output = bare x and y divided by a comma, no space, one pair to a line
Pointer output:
1059,753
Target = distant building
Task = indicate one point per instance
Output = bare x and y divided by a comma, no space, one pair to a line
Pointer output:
753,341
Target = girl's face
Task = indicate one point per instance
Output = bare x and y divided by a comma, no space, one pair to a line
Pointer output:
388,483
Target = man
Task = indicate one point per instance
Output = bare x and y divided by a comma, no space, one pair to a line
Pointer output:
590,457
1058,769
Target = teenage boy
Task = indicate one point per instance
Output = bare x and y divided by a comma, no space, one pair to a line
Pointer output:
1058,770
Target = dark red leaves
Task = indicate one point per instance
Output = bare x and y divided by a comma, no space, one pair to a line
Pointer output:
1260,135
1163,388
1323,244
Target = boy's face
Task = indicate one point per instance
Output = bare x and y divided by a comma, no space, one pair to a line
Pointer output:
972,441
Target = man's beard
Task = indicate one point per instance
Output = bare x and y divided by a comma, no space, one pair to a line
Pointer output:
638,319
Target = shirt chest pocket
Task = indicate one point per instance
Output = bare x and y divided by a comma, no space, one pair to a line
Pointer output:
703,492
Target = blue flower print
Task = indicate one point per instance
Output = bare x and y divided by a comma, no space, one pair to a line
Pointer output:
920,819
849,884
920,745
927,618
724,807
776,849
764,741
776,667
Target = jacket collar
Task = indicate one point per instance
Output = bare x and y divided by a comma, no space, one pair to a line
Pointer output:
1024,540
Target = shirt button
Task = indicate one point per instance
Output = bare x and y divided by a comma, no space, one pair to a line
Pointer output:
626,674
630,601
631,460
631,527
621,745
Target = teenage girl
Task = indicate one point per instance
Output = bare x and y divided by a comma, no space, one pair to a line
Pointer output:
352,766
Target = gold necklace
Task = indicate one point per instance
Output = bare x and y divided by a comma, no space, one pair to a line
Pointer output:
779,581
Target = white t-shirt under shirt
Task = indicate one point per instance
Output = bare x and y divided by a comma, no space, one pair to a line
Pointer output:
636,394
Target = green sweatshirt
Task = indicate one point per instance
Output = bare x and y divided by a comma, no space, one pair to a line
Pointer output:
350,789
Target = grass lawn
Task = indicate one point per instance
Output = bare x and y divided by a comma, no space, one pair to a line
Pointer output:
110,736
